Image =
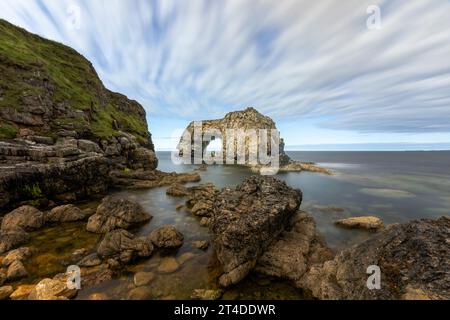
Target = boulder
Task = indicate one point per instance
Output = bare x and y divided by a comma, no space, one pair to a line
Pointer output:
16,270
246,220
166,237
412,257
52,289
5,292
117,213
177,190
369,223
63,214
201,199
143,278
124,246
22,292
26,217
91,260
11,239
296,249
20,254
204,294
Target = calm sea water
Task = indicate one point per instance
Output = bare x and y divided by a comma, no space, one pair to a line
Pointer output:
395,186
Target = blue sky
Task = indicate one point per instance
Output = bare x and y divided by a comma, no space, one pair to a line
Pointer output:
313,66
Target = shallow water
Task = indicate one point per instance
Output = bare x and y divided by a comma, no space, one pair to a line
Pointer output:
397,187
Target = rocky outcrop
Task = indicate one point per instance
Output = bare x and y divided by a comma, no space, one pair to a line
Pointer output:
412,257
369,223
293,253
25,218
246,220
166,237
123,247
117,213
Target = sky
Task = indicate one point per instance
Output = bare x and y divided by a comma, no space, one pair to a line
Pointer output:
335,74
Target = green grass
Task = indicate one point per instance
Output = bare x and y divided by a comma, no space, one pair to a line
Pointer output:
7,130
74,82
33,191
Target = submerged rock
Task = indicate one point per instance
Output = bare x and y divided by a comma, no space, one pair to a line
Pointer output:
124,246
369,223
66,213
91,260
177,190
412,257
201,245
143,278
117,213
204,294
26,218
168,265
246,220
167,237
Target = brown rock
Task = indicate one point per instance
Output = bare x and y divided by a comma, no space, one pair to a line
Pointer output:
143,278
167,237
66,213
369,223
22,292
5,292
26,217
16,270
168,265
51,289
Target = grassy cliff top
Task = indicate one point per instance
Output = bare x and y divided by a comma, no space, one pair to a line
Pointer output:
51,87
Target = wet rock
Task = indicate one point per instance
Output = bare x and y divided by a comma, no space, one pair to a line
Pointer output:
168,265
246,220
177,190
26,217
16,270
2,277
124,246
205,221
51,289
143,278
179,207
22,292
20,254
5,292
117,213
201,245
91,260
66,213
296,249
369,223
95,276
98,297
166,237
185,257
201,199
413,255
10,239
203,294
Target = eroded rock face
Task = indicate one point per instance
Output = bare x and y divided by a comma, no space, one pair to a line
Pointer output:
117,213
124,246
246,220
26,218
167,237
296,249
413,259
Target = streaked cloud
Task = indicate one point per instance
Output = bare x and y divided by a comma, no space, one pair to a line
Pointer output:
291,59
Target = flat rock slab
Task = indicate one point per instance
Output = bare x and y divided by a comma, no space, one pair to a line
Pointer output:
368,223
246,220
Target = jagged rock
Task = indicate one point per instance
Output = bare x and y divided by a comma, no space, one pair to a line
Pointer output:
411,257
370,223
143,278
177,190
167,237
10,239
20,254
63,214
16,270
294,251
205,221
201,199
124,246
203,294
52,289
246,220
5,292
117,213
22,292
26,217
201,245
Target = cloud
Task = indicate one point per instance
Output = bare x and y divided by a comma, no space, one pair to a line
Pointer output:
291,59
